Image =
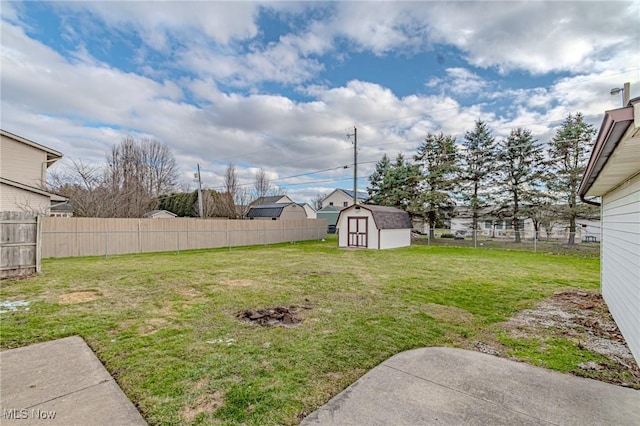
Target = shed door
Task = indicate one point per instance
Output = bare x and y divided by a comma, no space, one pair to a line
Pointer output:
357,229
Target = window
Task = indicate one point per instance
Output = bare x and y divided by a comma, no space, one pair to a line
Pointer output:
498,225
345,204
487,224
331,203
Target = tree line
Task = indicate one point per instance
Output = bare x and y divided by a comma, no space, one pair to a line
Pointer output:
514,176
140,175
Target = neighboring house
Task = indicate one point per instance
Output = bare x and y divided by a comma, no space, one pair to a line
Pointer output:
373,227
341,198
310,212
160,214
61,210
276,211
613,174
275,199
330,214
23,175
494,224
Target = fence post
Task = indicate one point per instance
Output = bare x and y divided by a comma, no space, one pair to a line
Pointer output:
38,244
178,241
106,243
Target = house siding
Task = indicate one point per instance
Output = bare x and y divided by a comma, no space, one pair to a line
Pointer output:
22,163
16,199
620,260
338,198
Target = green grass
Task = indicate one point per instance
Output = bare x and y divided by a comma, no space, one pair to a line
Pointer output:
156,320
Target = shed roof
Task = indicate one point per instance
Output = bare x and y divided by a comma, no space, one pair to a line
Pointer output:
267,210
152,213
385,217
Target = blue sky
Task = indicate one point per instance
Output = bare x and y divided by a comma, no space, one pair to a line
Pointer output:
278,85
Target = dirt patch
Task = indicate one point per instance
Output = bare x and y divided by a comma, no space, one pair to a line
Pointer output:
188,292
207,403
283,316
449,314
582,317
152,325
238,283
78,297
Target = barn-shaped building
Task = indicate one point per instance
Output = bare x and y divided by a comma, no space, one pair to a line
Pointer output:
373,227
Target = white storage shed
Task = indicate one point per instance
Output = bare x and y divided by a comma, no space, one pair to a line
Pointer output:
373,227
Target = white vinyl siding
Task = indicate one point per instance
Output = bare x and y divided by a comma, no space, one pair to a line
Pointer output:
621,259
16,199
337,199
22,163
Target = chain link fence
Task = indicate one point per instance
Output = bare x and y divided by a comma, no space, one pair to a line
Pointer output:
580,242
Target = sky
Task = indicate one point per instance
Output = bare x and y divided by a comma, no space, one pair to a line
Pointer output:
280,85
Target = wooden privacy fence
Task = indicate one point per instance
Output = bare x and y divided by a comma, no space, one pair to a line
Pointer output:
19,248
69,237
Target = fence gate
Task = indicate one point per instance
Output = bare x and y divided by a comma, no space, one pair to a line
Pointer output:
19,244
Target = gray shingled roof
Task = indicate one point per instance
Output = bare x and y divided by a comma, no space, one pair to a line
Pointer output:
267,210
386,217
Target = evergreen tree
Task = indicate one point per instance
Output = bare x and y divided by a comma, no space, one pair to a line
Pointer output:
377,184
477,166
394,184
437,159
568,157
520,169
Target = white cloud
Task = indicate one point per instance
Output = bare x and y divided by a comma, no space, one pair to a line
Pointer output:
159,22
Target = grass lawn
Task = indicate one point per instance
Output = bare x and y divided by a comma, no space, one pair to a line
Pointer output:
165,324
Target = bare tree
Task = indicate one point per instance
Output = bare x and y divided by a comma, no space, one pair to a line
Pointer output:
317,200
232,190
159,167
136,173
262,186
84,185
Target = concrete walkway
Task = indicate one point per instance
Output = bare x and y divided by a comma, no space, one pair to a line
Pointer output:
60,383
447,386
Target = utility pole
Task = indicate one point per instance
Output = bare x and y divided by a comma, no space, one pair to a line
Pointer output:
199,192
626,93
355,163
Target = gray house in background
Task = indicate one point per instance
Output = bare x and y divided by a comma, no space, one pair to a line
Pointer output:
613,174
330,214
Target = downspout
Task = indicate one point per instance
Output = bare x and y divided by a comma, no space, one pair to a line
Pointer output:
593,203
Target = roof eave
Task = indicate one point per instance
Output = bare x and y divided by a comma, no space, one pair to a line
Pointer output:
614,126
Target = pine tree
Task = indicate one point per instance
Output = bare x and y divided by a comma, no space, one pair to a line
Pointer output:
377,187
394,184
437,159
520,163
568,157
477,166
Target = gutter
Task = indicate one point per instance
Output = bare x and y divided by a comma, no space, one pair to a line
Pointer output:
614,126
593,203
